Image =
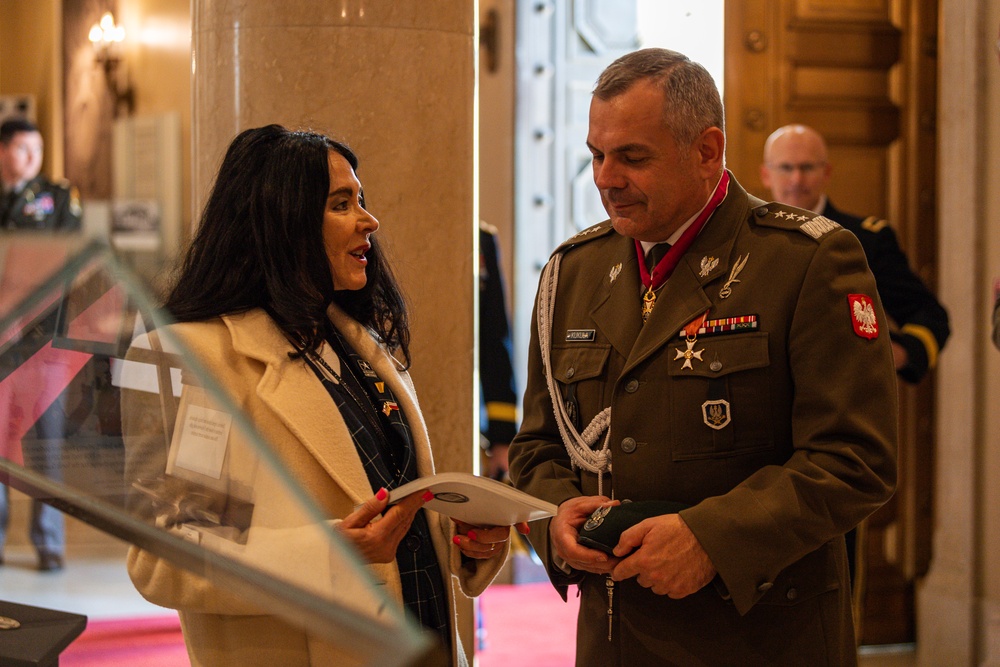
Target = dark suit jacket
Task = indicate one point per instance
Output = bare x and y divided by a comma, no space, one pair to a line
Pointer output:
496,371
921,322
803,453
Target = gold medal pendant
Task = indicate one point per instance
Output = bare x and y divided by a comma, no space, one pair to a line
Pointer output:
648,301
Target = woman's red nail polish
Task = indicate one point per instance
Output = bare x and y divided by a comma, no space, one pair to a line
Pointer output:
382,494
472,534
428,496
455,539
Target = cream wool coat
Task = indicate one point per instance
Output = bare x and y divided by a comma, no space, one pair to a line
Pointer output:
247,354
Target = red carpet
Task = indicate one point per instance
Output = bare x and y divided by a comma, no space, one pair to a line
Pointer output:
150,642
527,625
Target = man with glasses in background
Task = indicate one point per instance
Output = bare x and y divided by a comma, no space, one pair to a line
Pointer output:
796,171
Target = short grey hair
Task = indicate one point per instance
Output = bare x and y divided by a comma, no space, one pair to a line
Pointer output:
691,101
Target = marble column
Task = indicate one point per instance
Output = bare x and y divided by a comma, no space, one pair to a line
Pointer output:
396,81
958,609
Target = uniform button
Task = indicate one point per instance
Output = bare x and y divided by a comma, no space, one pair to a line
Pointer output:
764,587
628,445
792,593
413,543
570,373
716,366
761,211
631,386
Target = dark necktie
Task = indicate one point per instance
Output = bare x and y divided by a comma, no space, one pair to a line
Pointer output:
655,254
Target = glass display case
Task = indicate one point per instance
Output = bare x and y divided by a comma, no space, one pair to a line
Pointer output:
113,421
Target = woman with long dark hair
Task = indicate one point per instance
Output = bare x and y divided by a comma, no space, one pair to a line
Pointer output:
287,300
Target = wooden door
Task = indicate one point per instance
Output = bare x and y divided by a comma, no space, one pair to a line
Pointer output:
863,73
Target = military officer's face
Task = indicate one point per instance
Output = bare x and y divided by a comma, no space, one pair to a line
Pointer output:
649,186
795,169
21,158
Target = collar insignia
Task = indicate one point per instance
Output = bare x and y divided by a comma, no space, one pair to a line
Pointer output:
615,270
727,289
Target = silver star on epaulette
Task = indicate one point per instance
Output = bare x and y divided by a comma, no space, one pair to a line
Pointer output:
591,230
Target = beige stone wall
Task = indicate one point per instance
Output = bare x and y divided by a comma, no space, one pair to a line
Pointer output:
30,63
989,502
958,620
159,54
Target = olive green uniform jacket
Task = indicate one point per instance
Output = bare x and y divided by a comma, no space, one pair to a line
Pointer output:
781,438
247,355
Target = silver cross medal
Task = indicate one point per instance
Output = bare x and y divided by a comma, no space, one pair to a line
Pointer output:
689,354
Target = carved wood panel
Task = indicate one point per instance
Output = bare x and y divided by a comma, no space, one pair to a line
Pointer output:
862,72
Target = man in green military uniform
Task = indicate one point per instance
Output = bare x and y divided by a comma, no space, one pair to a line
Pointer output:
30,200
746,375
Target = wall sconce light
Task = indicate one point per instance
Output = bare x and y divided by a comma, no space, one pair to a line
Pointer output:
107,38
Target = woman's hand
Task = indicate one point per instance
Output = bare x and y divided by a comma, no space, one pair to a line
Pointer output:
377,540
483,541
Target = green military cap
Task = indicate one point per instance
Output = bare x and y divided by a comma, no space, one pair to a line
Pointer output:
604,528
